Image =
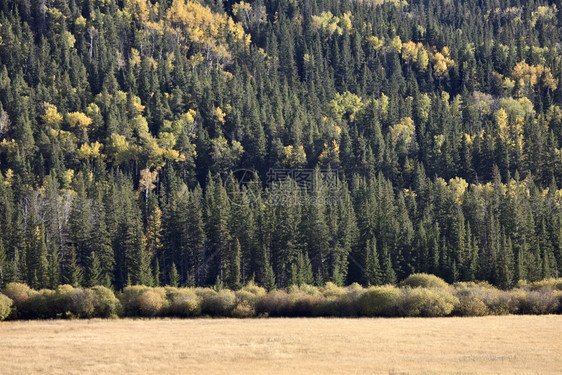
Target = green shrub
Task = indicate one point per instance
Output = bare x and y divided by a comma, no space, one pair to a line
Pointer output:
41,304
82,303
426,302
130,299
470,301
558,296
63,299
106,305
219,304
17,292
379,301
251,287
550,283
274,303
337,305
499,302
245,296
355,289
471,306
338,301
332,290
183,302
309,289
465,299
496,302
303,303
543,301
244,310
424,280
205,293
5,306
150,303
246,303
354,293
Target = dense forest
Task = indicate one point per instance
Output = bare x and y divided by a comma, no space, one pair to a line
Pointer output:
198,143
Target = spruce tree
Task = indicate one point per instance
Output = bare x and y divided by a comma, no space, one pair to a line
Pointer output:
174,276
304,269
389,276
156,272
72,274
54,267
42,270
268,276
505,276
94,273
217,231
3,263
234,282
101,242
372,274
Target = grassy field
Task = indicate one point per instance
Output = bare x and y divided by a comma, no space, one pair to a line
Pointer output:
495,345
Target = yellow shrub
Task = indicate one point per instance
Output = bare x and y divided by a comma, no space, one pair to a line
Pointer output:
183,302
471,306
426,302
254,289
244,310
544,301
219,304
246,296
332,290
5,306
380,301
552,283
274,303
18,292
424,280
106,305
82,303
150,303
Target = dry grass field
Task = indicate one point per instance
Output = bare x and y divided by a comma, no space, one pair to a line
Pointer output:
487,345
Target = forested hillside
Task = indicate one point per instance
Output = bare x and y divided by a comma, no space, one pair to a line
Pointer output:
146,142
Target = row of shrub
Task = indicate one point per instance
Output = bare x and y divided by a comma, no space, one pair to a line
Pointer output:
18,301
418,295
